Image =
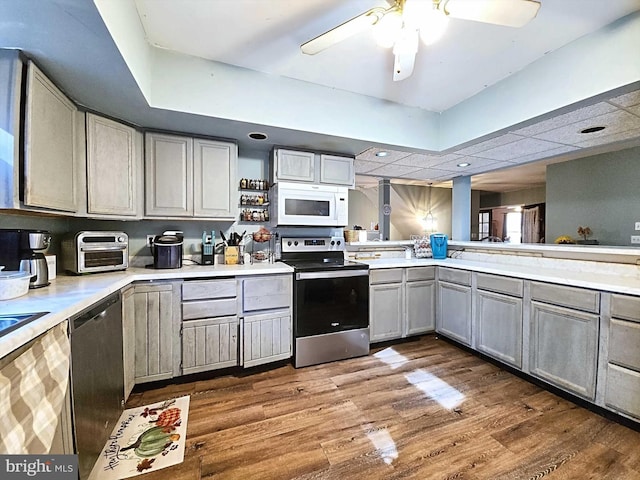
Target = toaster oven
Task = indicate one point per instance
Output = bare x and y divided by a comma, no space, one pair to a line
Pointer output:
90,251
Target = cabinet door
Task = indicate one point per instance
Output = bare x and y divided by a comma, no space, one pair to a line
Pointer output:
499,321
112,168
337,170
209,343
455,311
564,348
168,167
128,340
297,166
266,338
155,307
51,162
420,307
385,311
214,179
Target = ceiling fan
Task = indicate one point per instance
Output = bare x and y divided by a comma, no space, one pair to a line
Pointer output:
402,24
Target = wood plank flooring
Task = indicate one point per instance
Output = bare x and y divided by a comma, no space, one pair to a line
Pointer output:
423,409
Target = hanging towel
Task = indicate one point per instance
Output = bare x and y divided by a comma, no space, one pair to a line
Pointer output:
32,391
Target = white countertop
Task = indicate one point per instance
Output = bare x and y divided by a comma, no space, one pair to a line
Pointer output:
69,294
602,281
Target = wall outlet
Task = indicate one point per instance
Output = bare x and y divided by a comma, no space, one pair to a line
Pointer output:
635,238
150,240
637,226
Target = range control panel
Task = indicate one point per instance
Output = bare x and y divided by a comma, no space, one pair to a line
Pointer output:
312,244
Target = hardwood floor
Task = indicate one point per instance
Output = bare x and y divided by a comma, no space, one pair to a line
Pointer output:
422,409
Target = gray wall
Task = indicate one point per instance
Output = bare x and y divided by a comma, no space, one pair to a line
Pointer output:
527,196
601,192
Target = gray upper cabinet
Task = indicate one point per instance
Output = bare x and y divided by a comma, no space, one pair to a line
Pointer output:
51,160
310,167
214,179
291,165
168,166
190,177
114,160
337,170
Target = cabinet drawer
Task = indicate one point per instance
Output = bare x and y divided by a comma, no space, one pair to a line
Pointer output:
623,390
496,283
263,293
204,289
626,307
385,275
415,274
461,277
208,308
571,297
624,343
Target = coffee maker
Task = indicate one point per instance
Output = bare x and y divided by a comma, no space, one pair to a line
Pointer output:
22,250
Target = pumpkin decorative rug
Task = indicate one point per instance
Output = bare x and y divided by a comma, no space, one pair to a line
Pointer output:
144,439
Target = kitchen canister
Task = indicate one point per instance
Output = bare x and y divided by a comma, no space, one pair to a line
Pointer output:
439,245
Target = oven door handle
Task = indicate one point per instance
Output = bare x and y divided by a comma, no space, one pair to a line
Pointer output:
331,274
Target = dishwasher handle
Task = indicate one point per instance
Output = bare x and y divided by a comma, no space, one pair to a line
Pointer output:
97,310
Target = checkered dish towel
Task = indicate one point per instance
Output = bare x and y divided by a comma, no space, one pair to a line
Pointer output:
32,389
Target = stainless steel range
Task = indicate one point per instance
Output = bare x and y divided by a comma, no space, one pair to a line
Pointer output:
330,300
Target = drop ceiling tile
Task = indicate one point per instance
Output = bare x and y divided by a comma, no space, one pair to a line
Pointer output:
392,156
475,163
545,154
426,161
487,144
393,170
363,166
628,99
565,119
616,137
517,149
616,122
429,174
635,110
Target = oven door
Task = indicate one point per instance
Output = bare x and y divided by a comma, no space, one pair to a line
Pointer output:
330,301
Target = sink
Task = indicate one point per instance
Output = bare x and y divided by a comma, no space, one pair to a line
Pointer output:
10,321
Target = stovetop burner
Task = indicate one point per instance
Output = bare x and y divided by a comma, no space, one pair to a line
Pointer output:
317,254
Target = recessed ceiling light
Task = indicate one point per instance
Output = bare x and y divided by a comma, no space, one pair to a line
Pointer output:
464,164
382,153
592,129
257,136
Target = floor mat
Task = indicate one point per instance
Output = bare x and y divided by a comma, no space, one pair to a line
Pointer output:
145,439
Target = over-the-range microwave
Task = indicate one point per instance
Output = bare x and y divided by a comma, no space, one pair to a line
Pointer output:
301,204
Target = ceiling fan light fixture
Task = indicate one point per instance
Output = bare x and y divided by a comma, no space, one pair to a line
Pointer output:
386,30
433,25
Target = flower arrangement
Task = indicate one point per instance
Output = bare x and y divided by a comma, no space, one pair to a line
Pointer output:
584,232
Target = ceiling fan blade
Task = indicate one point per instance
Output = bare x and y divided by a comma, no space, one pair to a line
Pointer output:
510,13
403,66
341,32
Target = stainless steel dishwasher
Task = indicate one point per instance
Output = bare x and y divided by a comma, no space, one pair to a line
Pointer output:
96,378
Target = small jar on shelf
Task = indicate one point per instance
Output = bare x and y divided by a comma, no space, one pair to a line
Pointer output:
252,184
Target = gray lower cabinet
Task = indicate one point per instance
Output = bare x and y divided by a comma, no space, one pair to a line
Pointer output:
210,326
564,347
386,305
454,304
209,343
420,300
499,317
157,315
623,364
267,322
128,339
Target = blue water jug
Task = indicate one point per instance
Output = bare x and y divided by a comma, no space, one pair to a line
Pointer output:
439,245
